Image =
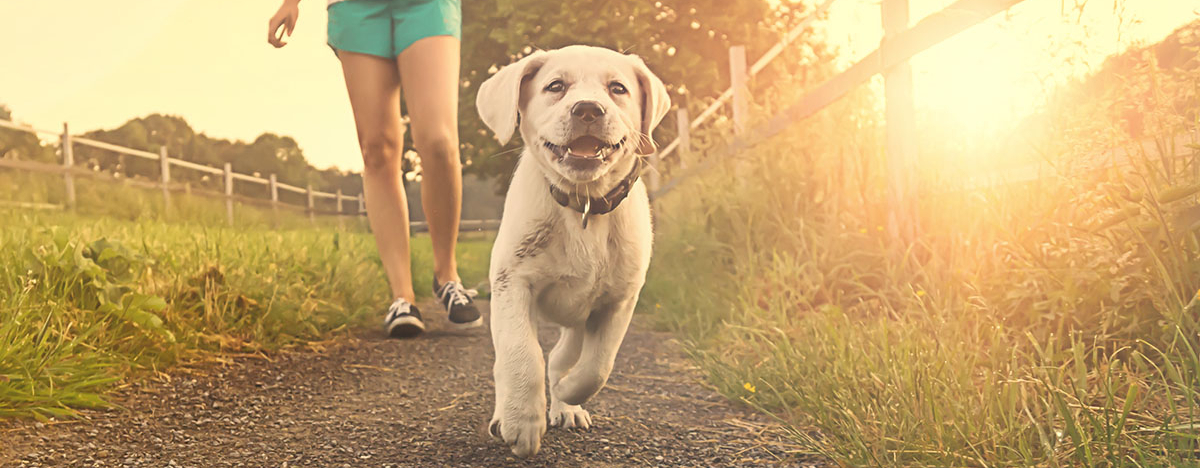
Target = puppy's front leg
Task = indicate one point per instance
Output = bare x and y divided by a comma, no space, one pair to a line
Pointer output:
520,415
602,337
562,358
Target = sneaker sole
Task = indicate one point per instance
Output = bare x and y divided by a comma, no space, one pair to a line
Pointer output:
466,325
405,327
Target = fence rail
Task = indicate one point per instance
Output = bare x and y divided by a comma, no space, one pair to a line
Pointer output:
890,59
70,171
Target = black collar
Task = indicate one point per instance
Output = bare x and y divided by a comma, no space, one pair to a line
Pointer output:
604,204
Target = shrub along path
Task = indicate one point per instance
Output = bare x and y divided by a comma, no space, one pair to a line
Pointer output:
371,401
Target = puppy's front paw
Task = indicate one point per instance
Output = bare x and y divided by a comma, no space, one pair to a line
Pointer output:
522,432
569,416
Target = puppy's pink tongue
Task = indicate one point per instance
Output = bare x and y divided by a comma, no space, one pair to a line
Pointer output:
585,146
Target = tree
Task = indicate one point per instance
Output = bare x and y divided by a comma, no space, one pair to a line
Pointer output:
16,144
685,42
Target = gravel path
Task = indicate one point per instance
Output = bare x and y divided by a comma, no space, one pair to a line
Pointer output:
372,401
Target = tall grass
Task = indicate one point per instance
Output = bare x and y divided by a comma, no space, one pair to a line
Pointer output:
87,302
1048,323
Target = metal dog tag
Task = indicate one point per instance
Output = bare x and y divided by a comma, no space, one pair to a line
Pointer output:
587,209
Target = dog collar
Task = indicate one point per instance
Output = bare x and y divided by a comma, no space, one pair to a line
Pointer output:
588,206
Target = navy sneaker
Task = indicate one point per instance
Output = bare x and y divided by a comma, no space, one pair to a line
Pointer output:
403,320
457,302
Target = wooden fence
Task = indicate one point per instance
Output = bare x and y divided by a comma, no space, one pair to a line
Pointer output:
890,59
900,42
354,205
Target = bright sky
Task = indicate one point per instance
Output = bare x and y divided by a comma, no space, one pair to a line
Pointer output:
990,75
97,64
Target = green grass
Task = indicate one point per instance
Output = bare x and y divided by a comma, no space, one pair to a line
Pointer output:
1041,324
91,300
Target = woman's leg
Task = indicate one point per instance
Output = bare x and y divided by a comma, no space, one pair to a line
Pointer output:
374,87
429,75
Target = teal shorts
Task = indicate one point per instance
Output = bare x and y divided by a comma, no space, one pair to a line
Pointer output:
386,27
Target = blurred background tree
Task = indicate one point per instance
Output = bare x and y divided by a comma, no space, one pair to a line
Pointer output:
686,43
21,145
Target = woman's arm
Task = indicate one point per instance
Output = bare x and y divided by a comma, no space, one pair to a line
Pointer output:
283,22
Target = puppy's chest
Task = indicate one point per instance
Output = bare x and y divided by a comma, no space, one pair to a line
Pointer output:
579,271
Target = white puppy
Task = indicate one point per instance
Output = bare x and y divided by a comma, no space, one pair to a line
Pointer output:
574,241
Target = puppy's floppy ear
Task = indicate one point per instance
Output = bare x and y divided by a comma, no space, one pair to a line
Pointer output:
655,104
499,96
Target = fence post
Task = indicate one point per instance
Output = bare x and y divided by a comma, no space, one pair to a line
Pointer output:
341,219
741,104
652,175
311,206
901,130
229,193
737,78
68,155
684,125
164,164
274,184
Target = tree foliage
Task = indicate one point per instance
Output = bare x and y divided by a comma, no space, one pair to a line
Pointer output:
685,42
15,144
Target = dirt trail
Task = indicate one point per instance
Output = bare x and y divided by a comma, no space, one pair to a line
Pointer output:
372,401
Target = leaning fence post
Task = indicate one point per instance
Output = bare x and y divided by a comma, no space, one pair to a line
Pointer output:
341,219
274,184
737,78
68,155
311,205
683,124
164,163
229,193
652,176
741,102
900,127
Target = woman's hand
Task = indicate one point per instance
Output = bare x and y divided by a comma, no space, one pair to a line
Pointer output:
283,22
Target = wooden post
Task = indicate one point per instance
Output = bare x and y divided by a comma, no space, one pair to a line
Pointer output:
68,155
741,105
901,129
311,206
164,164
229,193
341,219
684,125
651,173
737,78
274,185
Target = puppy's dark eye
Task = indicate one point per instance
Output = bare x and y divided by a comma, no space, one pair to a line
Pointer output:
617,88
556,86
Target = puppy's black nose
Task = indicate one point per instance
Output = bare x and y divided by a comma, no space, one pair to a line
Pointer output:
587,111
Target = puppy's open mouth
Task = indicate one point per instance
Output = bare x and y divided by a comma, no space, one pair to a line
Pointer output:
584,152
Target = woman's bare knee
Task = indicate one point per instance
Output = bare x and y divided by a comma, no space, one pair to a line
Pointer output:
440,150
380,151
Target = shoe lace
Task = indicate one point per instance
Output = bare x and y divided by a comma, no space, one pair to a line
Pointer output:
453,293
399,306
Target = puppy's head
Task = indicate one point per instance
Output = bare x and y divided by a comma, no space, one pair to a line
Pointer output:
581,110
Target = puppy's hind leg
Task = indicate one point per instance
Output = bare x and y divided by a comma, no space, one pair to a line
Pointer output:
602,336
562,358
520,415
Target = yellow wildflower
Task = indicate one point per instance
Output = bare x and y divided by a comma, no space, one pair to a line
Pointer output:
749,387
